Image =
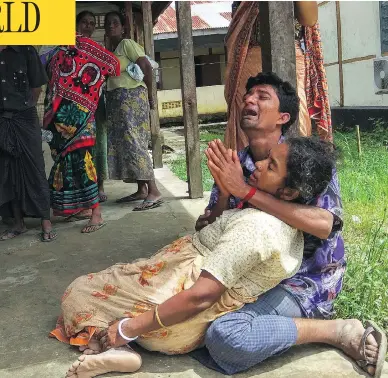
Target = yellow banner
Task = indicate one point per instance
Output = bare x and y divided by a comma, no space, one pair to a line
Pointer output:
37,22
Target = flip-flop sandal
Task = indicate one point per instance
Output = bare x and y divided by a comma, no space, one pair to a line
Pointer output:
152,205
381,339
94,228
129,199
52,235
102,197
13,234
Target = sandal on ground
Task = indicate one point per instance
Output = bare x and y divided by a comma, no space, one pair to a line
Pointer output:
102,197
89,228
10,234
381,339
48,236
148,205
77,217
130,198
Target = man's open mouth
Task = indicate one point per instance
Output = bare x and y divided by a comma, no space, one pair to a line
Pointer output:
249,112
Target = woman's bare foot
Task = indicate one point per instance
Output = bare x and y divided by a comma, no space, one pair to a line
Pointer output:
10,234
137,196
16,230
349,340
154,197
132,198
141,194
95,222
47,234
93,347
123,360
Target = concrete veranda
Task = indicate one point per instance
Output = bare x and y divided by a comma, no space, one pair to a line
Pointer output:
33,276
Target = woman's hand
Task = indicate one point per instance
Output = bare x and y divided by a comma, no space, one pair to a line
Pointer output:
110,338
226,166
223,190
203,220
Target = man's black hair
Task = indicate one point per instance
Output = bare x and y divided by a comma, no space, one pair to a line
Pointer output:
288,97
310,166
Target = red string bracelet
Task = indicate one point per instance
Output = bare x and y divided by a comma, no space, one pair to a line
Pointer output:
250,194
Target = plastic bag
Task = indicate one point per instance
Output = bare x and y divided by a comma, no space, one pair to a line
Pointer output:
135,71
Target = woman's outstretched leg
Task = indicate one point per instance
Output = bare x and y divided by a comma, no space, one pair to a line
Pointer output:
123,360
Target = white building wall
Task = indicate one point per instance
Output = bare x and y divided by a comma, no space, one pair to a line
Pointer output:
210,101
328,25
360,29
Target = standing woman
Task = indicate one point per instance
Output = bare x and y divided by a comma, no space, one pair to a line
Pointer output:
76,74
128,105
86,25
244,60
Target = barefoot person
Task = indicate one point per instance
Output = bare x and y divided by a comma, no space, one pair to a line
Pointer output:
128,105
169,300
232,340
76,75
23,184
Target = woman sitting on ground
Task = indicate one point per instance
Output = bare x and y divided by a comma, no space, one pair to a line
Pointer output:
169,300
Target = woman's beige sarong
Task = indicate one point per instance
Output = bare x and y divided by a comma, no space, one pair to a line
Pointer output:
248,251
128,290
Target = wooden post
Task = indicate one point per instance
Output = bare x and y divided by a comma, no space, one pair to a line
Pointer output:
189,97
156,136
139,28
358,141
277,35
339,40
129,29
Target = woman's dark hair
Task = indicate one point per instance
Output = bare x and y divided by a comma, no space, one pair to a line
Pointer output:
82,14
115,13
288,97
310,166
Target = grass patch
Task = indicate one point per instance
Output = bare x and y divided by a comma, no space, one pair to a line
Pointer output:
364,191
178,165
